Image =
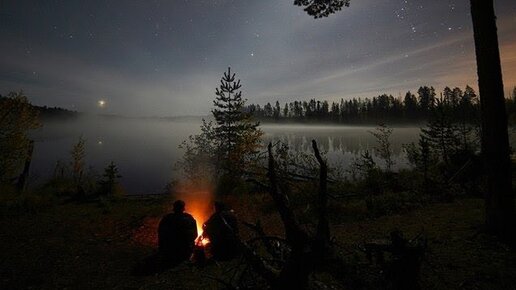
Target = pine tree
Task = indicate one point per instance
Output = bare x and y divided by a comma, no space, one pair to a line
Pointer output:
382,134
426,99
107,186
441,133
410,105
236,134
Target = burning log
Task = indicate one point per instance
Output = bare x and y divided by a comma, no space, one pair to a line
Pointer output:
201,250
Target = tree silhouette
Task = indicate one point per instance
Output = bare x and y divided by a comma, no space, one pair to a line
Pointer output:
384,108
495,138
236,134
321,8
500,213
107,186
78,153
17,118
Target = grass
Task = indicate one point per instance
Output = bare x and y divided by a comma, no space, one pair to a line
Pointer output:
95,246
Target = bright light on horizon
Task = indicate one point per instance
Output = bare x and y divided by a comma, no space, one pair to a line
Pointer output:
101,103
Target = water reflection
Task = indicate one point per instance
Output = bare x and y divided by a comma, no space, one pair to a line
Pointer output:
341,143
145,150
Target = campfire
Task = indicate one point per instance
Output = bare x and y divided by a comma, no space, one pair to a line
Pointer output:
200,205
202,241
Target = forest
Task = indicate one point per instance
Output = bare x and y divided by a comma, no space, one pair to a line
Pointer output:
410,109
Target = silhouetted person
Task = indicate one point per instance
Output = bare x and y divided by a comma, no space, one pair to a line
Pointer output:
176,234
222,231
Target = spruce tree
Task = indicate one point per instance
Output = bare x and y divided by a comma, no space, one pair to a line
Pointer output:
237,135
107,186
441,132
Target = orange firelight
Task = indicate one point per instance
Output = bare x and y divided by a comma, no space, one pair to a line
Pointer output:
198,203
202,241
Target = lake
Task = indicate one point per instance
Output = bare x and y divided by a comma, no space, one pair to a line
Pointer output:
146,150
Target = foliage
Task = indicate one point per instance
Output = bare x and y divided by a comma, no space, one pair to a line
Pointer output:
442,133
382,134
463,105
17,118
421,157
198,163
363,166
109,185
236,135
322,8
445,156
223,152
449,137
73,179
78,153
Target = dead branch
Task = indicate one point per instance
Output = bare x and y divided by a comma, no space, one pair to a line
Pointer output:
259,265
323,229
260,233
295,235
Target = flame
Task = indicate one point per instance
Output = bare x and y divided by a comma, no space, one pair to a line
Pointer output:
202,241
199,203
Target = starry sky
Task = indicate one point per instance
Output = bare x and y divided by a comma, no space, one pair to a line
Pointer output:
165,58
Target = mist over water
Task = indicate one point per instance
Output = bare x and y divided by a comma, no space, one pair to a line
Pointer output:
342,144
146,150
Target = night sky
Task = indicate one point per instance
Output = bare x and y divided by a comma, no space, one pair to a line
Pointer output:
162,58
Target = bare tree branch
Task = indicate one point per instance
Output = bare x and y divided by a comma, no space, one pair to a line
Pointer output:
295,235
323,229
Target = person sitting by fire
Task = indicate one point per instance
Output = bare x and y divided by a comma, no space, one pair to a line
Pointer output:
221,229
177,232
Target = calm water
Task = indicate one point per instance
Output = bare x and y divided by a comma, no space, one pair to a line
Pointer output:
146,150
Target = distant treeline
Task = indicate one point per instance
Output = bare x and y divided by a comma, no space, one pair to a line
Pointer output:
412,108
44,112
55,113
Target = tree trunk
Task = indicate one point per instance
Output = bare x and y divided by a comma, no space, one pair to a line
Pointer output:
495,140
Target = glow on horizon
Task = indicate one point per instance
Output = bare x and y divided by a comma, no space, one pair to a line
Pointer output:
101,103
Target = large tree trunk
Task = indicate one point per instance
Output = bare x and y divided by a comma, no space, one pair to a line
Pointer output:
495,140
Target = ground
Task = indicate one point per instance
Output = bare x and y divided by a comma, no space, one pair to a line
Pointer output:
95,246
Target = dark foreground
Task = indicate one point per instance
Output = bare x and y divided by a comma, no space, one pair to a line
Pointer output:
92,246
